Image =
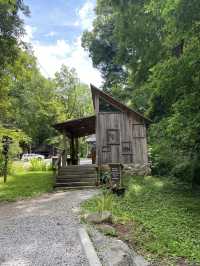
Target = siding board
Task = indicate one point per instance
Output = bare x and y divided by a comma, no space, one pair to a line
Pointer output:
131,135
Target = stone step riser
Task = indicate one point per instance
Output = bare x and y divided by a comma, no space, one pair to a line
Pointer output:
64,180
75,175
73,184
79,167
74,188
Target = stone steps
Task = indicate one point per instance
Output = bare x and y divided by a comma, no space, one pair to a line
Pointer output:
61,179
75,176
75,184
73,188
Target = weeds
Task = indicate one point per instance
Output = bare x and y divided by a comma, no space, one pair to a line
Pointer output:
39,165
166,215
105,202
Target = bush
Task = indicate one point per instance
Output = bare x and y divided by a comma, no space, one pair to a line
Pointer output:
2,162
39,165
162,159
1,165
105,177
105,202
182,170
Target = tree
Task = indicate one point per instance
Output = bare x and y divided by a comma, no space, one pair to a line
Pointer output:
156,44
11,29
72,97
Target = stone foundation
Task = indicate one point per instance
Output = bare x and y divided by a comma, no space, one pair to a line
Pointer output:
136,169
130,169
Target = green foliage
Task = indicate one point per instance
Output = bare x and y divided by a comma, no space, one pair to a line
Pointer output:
25,185
18,167
165,215
29,102
105,177
101,203
37,164
34,103
105,203
154,46
11,28
18,136
2,165
72,97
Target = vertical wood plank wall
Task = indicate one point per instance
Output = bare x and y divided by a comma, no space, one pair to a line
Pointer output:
132,132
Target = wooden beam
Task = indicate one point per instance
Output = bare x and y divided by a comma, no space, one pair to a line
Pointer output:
76,150
97,130
72,155
64,156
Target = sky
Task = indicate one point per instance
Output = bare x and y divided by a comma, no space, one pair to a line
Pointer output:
54,30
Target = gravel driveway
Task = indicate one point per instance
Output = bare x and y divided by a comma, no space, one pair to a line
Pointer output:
42,231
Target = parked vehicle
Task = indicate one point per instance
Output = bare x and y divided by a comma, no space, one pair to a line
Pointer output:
28,156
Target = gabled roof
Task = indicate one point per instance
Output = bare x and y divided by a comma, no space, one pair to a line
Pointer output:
116,103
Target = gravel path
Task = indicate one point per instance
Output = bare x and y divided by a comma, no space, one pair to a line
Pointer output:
42,231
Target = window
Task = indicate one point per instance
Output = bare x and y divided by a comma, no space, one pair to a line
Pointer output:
113,137
126,147
105,106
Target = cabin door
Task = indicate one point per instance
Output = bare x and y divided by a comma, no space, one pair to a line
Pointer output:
113,139
109,137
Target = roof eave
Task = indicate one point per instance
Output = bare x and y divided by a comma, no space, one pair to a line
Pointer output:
95,90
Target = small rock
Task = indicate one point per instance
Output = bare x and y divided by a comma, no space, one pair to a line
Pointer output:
98,218
107,229
120,254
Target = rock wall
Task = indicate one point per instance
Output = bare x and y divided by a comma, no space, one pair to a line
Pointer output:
131,169
136,169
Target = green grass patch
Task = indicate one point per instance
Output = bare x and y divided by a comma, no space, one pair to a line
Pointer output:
25,184
165,214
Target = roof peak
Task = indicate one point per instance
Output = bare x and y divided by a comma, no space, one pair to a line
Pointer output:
115,102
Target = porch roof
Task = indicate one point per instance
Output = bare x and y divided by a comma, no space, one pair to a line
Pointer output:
77,127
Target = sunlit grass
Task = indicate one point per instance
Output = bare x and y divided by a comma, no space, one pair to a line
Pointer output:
165,215
22,184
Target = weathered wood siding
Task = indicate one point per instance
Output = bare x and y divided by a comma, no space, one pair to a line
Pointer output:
121,138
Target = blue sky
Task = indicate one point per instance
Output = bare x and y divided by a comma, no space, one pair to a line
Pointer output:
54,29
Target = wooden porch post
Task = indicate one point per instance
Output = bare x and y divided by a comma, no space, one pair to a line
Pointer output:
64,157
97,131
72,150
76,149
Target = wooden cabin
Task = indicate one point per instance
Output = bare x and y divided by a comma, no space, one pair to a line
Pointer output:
121,134
120,131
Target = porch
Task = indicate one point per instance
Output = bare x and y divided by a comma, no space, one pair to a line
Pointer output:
71,131
71,173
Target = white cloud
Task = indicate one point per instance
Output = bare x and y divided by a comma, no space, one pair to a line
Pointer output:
51,56
86,15
51,34
29,33
80,60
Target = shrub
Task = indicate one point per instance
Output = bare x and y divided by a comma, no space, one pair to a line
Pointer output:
1,165
105,202
105,177
182,170
2,162
39,165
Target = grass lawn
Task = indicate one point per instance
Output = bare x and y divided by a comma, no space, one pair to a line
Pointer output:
164,215
25,184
